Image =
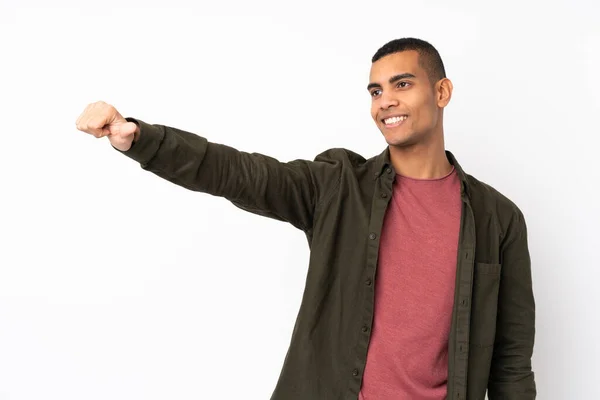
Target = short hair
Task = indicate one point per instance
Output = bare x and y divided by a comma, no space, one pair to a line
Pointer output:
429,58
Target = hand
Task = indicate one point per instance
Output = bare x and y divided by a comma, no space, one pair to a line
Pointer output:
101,119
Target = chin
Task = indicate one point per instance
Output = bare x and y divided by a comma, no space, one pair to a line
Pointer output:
402,144
400,140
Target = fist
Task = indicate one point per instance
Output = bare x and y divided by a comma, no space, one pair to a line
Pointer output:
101,119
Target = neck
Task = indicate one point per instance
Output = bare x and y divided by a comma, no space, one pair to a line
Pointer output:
421,161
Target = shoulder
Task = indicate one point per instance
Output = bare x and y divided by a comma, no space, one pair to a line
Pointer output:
489,203
346,159
341,154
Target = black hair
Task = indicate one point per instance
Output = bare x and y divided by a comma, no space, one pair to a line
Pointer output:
429,58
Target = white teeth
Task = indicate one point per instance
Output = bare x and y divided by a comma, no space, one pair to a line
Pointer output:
394,120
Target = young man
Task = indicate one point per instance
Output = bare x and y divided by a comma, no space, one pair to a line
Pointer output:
419,284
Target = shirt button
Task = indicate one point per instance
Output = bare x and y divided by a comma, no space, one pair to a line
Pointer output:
389,170
355,372
365,328
372,236
383,195
368,282
464,302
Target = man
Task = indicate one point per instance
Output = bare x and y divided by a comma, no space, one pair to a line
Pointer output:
419,282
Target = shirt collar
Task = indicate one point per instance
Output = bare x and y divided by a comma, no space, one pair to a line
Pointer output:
383,163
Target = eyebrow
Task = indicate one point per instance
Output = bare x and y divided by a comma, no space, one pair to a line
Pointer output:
393,79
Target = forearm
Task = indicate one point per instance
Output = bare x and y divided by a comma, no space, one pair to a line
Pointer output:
258,183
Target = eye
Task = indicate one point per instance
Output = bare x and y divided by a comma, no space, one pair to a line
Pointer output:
375,92
403,84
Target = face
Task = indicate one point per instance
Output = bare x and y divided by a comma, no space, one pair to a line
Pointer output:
405,105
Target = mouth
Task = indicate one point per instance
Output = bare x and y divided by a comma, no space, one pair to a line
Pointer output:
394,121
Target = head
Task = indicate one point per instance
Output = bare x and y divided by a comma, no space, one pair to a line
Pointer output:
409,90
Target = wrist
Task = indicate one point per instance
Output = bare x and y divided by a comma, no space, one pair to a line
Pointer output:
136,134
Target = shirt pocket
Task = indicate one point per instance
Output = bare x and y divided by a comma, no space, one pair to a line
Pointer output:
486,283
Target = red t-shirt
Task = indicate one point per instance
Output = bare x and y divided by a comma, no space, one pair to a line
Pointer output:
414,291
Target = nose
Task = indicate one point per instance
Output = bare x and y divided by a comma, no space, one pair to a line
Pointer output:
387,101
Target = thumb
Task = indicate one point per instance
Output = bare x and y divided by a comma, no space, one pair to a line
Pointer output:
123,129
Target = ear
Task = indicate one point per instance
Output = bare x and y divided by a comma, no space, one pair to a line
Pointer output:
443,92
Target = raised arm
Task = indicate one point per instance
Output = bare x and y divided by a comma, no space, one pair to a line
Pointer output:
287,191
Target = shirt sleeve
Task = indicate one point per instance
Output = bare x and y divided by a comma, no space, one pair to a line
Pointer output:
286,191
511,375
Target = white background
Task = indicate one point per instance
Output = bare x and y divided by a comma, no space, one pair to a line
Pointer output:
116,284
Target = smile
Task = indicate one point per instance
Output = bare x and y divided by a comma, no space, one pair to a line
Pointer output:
394,121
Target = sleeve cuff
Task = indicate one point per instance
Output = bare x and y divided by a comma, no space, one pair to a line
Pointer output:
148,143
